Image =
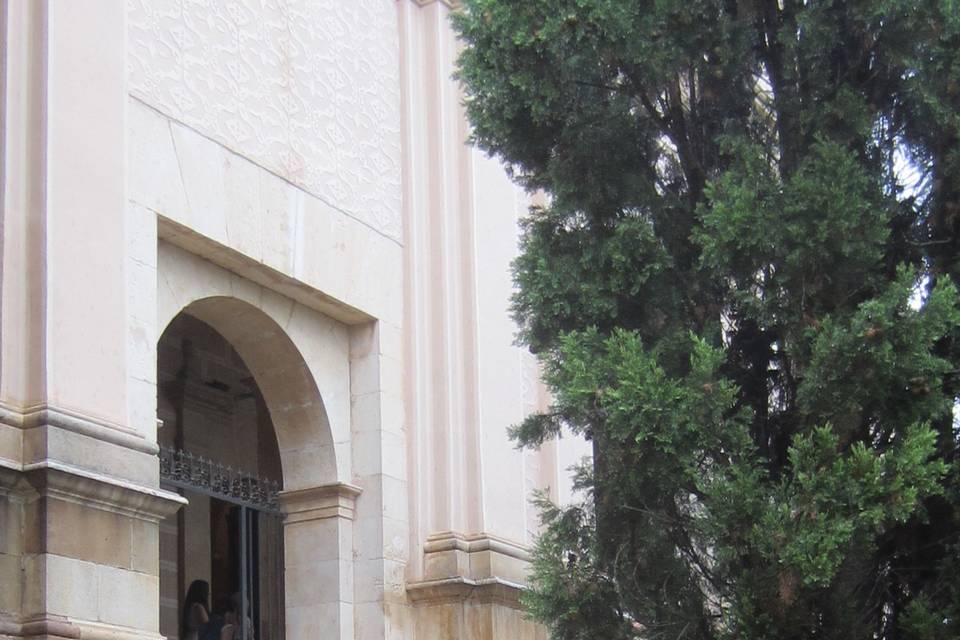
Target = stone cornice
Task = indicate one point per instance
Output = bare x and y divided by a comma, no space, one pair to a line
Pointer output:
472,543
336,500
459,589
172,232
65,482
478,566
48,415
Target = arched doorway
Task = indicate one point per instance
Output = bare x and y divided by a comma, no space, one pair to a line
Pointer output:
219,450
301,362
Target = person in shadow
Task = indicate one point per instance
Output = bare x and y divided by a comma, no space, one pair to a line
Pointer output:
235,601
196,610
224,622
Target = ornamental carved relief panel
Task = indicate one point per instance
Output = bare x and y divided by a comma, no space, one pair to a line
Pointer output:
309,89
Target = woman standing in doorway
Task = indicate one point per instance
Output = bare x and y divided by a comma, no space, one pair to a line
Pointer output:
196,610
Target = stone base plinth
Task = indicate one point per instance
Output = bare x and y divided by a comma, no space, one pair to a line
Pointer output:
471,589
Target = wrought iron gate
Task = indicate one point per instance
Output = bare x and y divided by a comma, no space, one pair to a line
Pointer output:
260,532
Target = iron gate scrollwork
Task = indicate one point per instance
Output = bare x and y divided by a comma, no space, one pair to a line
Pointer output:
188,471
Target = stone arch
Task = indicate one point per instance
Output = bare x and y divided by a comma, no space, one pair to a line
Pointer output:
307,452
300,358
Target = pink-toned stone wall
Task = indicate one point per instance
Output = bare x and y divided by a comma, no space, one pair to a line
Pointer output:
308,89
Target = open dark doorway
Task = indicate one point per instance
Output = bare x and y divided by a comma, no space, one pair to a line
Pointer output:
219,450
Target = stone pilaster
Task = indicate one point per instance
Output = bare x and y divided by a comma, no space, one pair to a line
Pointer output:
85,561
318,563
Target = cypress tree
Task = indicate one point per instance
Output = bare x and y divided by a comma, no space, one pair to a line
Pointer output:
743,292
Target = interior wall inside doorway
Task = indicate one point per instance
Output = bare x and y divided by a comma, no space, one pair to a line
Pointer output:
209,402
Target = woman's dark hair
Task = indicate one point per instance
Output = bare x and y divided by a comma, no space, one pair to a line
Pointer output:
197,593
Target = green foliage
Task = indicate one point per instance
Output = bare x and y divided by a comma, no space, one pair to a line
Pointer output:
584,277
876,365
781,239
830,499
746,303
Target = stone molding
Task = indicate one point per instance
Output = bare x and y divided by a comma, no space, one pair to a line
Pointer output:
453,4
336,500
47,415
56,627
460,589
193,242
47,627
478,567
472,543
52,479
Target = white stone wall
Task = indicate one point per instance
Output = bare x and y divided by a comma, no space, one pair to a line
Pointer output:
307,89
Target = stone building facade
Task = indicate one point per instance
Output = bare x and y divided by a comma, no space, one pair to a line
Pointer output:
253,303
